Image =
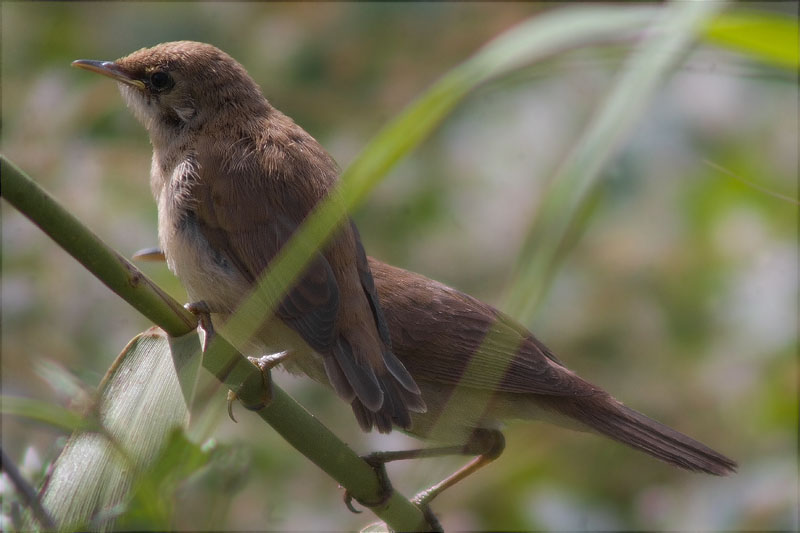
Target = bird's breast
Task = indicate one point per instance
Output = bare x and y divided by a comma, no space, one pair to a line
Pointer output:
205,272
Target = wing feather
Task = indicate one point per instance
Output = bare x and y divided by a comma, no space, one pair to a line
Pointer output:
479,347
393,364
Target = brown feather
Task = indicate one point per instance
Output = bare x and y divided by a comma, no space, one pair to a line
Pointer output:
443,335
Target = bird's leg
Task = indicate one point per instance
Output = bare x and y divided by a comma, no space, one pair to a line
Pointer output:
486,444
202,311
265,364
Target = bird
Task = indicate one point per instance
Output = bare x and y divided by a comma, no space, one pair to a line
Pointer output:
479,370
233,179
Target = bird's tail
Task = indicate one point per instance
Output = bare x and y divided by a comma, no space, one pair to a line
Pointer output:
606,415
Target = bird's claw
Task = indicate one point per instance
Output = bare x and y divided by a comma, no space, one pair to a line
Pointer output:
420,500
383,480
231,398
202,311
348,502
152,254
265,364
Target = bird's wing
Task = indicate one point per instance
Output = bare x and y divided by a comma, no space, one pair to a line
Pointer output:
445,336
394,365
250,233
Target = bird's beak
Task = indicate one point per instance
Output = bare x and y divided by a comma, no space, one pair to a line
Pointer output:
110,69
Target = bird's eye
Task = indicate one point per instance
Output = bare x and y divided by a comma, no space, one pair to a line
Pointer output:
160,80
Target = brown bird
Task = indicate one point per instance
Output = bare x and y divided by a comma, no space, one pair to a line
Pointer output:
233,178
479,369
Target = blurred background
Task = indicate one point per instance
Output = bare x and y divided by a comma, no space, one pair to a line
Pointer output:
680,298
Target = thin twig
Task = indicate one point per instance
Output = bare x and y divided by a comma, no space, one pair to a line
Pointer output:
26,491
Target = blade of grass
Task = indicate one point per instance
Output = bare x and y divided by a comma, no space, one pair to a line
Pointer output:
44,412
769,37
139,402
614,120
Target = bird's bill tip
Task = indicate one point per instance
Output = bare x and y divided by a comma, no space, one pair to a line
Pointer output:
109,69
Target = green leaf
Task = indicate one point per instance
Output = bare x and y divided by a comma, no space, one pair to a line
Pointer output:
554,222
44,412
139,404
771,38
153,493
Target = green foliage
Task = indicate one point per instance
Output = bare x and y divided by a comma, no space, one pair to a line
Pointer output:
569,188
45,413
152,496
138,406
769,37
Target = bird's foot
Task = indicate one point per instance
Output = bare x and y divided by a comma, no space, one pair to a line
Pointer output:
202,311
423,499
379,465
430,517
265,364
377,461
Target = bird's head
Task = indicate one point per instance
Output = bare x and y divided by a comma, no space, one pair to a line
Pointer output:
182,85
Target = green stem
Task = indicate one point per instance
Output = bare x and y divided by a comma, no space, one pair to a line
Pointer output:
116,272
